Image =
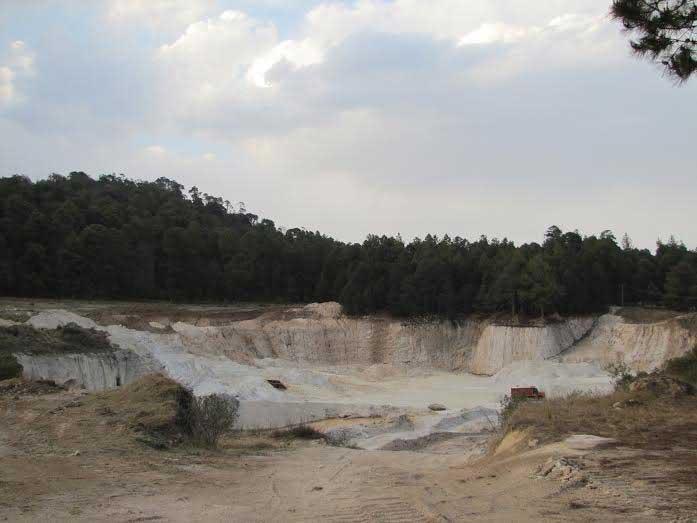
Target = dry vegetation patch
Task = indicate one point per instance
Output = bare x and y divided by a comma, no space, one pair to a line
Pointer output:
26,339
645,314
68,339
635,419
19,386
149,406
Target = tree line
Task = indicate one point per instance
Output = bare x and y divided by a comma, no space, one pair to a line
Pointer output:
116,238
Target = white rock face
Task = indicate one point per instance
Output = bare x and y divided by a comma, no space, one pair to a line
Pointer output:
641,346
88,371
341,341
475,346
500,346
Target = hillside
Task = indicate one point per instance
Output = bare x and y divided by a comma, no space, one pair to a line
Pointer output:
116,238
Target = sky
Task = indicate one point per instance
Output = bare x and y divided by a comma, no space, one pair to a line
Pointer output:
459,117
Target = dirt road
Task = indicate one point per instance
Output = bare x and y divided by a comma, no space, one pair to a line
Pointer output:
64,461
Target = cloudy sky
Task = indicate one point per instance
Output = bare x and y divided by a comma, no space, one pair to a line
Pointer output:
465,117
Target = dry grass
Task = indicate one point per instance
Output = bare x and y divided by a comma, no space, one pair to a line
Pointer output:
68,339
16,386
648,421
645,314
149,405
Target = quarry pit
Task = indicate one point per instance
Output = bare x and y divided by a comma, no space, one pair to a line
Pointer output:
376,375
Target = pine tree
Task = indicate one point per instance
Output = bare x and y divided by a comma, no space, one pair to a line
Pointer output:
667,32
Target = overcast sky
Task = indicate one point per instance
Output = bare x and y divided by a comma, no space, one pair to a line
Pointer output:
465,117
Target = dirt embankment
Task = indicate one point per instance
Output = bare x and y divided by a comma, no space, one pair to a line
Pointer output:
78,457
646,463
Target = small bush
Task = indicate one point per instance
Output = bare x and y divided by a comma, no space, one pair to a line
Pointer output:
684,368
509,405
205,419
9,367
622,375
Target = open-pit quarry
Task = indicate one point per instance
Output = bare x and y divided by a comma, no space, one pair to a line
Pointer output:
339,367
408,413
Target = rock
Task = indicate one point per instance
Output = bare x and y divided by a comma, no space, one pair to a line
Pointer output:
565,470
533,443
546,467
76,453
437,407
617,405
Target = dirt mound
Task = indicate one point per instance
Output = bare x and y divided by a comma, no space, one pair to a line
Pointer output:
150,405
70,338
654,421
661,385
18,386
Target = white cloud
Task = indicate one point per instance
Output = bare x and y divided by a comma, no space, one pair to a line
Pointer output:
209,62
159,14
7,88
16,65
21,58
157,150
297,53
497,32
212,57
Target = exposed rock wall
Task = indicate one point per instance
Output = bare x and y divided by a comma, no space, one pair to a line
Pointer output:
474,345
89,371
319,335
500,346
641,346
340,341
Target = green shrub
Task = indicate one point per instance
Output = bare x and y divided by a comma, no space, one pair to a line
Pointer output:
684,368
9,367
205,419
509,405
622,375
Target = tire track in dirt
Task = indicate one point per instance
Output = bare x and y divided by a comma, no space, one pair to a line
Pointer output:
349,509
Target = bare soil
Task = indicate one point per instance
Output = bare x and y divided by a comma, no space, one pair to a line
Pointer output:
70,456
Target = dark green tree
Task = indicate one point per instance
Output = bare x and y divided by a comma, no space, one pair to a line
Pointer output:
666,32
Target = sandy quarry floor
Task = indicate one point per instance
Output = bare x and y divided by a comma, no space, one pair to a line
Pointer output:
116,479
